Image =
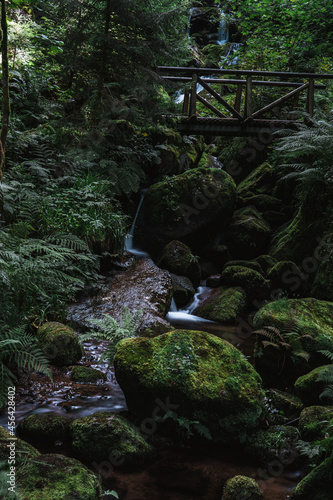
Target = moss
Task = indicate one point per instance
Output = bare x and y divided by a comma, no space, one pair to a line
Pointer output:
260,180
318,485
41,427
247,234
268,445
262,202
60,344
287,276
254,284
84,374
224,306
310,386
177,258
202,375
311,320
282,406
265,261
55,477
242,487
23,450
250,264
314,421
102,434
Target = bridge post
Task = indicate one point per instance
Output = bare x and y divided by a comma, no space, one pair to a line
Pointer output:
186,102
248,97
310,99
193,103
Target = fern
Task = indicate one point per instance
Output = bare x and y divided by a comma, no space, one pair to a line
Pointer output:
110,329
186,426
20,347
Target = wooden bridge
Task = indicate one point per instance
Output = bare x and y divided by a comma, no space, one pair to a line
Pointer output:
232,104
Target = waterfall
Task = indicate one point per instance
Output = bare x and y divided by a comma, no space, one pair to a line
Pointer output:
129,236
223,32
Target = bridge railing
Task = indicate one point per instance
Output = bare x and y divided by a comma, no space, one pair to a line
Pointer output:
242,109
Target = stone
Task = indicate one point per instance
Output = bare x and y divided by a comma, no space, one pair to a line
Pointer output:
224,305
44,427
318,485
313,422
242,487
59,343
310,387
282,407
177,258
183,290
85,374
254,284
196,375
260,181
23,450
285,275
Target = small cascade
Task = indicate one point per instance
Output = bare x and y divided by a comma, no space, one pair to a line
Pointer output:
184,317
231,50
223,32
129,236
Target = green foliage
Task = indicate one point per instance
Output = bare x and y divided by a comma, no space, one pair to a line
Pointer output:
186,427
17,345
110,329
327,378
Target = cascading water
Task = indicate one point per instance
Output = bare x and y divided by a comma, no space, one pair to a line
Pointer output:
223,32
129,236
184,317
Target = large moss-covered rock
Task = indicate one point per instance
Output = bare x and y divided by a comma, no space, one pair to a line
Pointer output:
102,435
224,305
202,377
143,286
248,233
177,258
242,488
278,442
254,284
286,276
260,181
313,422
185,207
310,386
318,485
85,374
308,320
41,427
23,450
56,477
183,290
59,343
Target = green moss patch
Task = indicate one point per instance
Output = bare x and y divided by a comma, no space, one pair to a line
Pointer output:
254,284
60,344
309,387
85,374
41,427
224,306
242,487
314,421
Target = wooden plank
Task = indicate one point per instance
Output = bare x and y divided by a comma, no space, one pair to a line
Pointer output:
193,103
263,83
207,71
248,98
186,102
279,101
310,99
219,99
210,106
238,99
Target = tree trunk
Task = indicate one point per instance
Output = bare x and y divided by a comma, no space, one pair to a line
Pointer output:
5,88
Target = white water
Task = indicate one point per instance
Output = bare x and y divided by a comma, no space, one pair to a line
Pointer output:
223,33
184,316
129,236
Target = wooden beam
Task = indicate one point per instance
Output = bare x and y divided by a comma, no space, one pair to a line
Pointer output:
209,71
279,101
186,102
248,98
210,106
310,99
193,103
238,99
219,99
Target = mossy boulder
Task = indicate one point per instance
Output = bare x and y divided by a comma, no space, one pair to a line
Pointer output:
265,262
242,488
260,181
313,422
318,485
248,233
254,284
309,387
185,207
262,202
104,435
178,258
306,324
202,377
85,374
55,477
250,264
224,305
44,427
278,442
23,450
282,407
59,343
286,276
183,290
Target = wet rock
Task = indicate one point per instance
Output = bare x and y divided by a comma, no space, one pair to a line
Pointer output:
214,281
178,258
317,485
207,268
102,434
23,450
254,284
55,476
248,233
143,286
314,421
59,343
310,321
196,375
41,427
183,290
278,442
310,387
239,487
185,207
224,306
85,374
